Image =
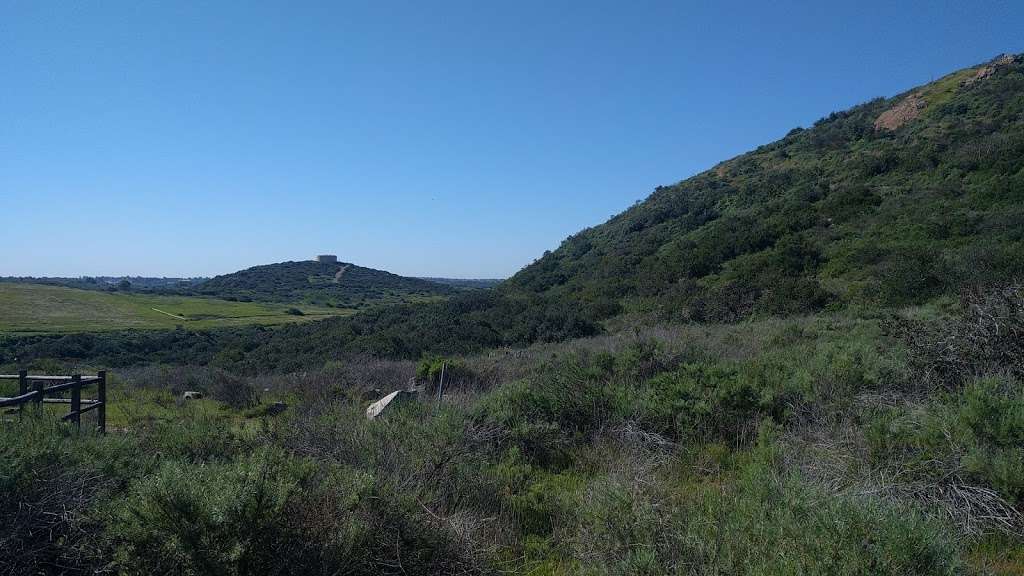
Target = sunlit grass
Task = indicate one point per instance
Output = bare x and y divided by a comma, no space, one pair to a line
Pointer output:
39,309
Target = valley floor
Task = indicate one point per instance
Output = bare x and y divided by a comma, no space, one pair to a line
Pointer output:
40,309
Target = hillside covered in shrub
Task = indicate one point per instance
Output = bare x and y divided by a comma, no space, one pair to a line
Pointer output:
892,202
341,284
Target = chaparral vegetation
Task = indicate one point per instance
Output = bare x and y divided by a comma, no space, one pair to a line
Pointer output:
807,360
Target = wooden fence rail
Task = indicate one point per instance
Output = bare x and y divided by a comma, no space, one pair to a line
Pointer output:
78,405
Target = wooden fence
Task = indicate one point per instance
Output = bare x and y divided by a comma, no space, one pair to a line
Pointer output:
51,389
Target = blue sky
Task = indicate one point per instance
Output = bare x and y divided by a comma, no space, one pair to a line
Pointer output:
427,138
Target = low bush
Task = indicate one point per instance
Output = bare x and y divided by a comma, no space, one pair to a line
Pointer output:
760,523
50,481
457,375
705,402
986,338
545,415
235,391
223,518
532,500
974,436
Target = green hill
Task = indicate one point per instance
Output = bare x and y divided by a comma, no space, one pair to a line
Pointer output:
342,284
893,202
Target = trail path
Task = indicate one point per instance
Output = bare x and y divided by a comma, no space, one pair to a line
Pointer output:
337,276
169,314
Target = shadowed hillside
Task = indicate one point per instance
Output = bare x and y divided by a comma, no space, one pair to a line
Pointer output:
467,283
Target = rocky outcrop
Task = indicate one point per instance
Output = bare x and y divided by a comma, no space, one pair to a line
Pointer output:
989,69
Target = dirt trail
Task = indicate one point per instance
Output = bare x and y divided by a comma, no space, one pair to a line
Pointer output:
337,276
169,314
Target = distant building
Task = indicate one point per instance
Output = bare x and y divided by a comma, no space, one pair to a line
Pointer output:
327,259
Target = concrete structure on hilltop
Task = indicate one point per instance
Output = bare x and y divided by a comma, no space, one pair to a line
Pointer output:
327,259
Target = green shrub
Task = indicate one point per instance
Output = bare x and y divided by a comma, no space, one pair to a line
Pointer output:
789,296
987,337
207,519
759,523
910,274
993,414
532,500
976,433
719,401
456,374
51,480
527,417
197,437
565,404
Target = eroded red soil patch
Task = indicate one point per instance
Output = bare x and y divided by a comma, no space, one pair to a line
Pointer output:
908,109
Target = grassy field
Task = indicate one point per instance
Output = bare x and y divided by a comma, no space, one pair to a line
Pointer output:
38,309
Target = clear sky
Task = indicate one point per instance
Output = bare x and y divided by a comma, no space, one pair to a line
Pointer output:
432,138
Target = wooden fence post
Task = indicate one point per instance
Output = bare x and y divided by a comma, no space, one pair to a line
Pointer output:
22,388
76,400
101,396
39,387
